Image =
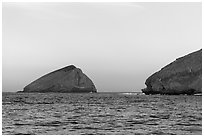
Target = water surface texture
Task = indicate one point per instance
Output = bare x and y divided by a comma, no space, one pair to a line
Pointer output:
100,113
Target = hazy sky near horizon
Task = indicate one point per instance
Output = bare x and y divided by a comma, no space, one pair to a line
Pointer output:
118,45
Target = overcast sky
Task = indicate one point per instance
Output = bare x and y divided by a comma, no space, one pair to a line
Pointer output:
118,45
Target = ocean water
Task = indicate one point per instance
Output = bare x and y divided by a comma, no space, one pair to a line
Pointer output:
100,114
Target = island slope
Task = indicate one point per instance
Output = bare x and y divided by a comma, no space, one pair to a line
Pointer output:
183,76
67,80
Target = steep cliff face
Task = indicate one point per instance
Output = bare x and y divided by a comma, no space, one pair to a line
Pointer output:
183,76
68,79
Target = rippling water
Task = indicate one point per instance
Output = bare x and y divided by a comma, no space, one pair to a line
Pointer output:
100,113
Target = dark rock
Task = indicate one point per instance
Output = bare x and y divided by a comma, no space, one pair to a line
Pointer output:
183,76
67,80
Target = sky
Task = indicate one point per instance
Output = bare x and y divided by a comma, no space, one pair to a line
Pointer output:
117,45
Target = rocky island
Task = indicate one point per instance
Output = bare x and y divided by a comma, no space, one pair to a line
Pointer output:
183,76
67,80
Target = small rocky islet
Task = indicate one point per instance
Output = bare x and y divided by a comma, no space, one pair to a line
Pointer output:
65,80
182,76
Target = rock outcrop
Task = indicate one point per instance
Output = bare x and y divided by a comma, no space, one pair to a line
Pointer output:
183,76
67,80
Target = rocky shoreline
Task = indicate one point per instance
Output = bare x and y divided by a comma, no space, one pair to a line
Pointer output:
182,76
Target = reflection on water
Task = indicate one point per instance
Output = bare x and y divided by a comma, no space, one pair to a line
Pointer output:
100,113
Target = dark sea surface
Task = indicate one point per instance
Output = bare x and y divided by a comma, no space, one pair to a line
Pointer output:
100,113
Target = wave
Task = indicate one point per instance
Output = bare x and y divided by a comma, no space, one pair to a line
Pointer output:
132,93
